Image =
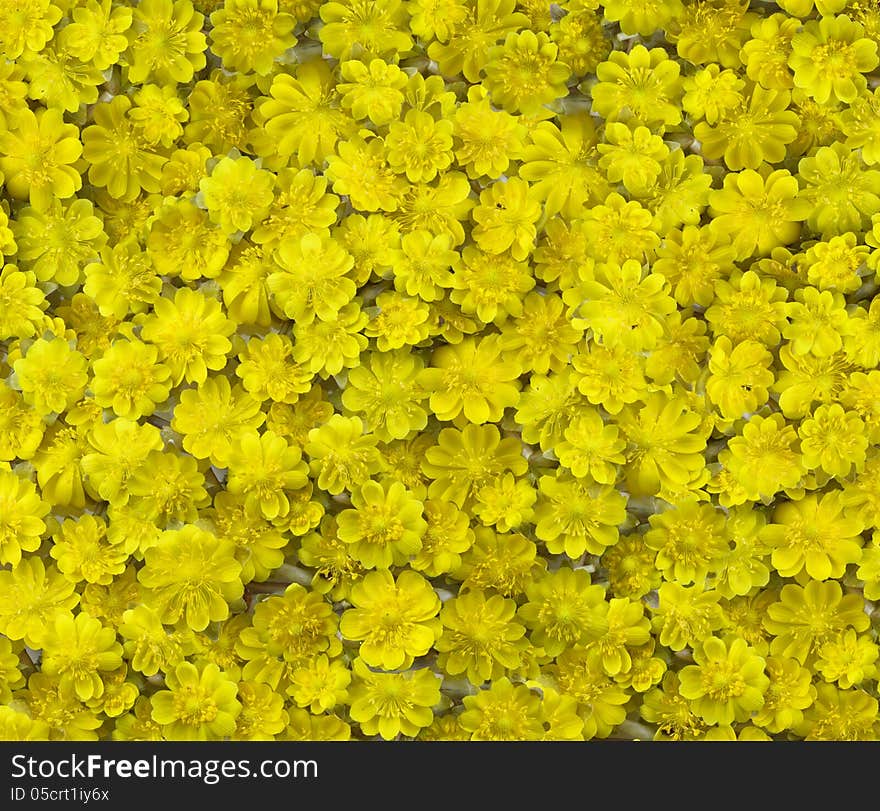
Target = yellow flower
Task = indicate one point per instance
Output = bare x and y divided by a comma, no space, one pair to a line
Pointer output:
576,516
505,503
372,90
471,378
394,620
503,712
393,704
840,715
562,609
666,445
16,725
646,82
739,376
183,242
643,16
302,205
620,230
759,130
84,554
31,596
849,659
448,536
488,139
149,646
503,563
630,565
118,156
385,391
506,219
835,264
56,243
248,35
788,695
712,93
817,322
419,146
834,440
302,115
758,211
77,650
320,684
119,448
264,468
623,308
262,715
686,615
480,637
191,333
51,375
689,541
562,164
129,379
523,73
26,26
842,193
805,617
599,698
191,575
21,525
237,194
326,347
385,525
36,155
98,33
815,535
199,704
631,156
123,281
748,307
591,448
762,459
727,683
829,57
364,26
169,44
490,285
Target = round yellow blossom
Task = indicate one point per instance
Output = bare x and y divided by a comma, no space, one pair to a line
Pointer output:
727,683
199,704
36,155
480,637
237,194
385,525
191,333
394,620
22,522
130,380
192,575
77,650
249,34
392,704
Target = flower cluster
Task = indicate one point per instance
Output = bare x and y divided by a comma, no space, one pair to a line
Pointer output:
476,369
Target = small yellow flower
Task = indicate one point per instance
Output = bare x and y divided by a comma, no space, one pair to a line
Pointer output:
192,575
77,650
393,704
199,704
727,683
395,620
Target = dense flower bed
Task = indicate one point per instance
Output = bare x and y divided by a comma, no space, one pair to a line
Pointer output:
439,369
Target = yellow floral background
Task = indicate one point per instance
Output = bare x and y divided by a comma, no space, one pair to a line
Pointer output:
439,369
